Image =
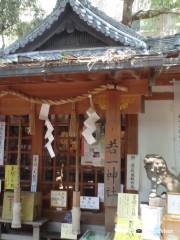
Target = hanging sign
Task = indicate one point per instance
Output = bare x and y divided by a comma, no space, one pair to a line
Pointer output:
2,138
133,168
89,202
59,199
66,231
127,205
34,173
128,229
151,222
11,172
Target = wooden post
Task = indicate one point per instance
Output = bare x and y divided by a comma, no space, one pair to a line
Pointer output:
132,134
37,144
16,210
112,169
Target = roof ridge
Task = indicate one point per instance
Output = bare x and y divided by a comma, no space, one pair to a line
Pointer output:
89,14
89,6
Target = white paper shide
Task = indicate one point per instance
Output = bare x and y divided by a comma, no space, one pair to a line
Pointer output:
43,115
90,124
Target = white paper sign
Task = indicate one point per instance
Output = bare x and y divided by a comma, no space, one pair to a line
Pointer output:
34,173
43,115
66,231
133,172
2,138
59,199
151,222
101,192
128,205
173,203
89,202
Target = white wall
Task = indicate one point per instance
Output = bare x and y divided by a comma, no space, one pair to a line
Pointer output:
156,136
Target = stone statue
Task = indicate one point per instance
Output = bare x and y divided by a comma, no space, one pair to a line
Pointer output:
159,174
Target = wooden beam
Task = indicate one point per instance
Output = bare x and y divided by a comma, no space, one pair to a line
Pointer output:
112,169
127,103
135,86
14,106
160,96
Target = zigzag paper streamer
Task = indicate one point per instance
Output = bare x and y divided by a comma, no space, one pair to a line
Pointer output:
90,124
49,137
43,115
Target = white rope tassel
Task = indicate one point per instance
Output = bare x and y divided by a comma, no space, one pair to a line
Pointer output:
16,221
76,216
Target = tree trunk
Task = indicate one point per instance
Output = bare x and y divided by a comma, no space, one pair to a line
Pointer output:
127,12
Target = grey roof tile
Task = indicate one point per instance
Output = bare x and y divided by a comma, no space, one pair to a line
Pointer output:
93,17
165,44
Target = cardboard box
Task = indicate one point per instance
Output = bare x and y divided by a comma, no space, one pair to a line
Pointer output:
30,202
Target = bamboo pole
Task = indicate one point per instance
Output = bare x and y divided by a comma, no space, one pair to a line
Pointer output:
16,218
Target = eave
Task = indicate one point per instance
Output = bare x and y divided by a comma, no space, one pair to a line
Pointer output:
84,60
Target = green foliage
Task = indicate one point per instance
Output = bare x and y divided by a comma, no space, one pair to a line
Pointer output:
166,24
11,12
168,4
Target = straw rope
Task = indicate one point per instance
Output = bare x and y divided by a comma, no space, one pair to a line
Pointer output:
39,100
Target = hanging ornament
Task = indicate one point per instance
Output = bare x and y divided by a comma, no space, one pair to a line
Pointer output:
43,115
50,138
90,123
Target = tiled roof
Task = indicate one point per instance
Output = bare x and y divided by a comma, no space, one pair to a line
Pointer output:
93,17
165,44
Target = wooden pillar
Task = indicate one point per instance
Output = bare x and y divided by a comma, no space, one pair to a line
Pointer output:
37,142
132,134
112,168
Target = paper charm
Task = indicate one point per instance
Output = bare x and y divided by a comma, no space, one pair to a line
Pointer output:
43,115
90,124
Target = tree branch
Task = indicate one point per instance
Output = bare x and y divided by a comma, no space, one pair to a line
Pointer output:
153,13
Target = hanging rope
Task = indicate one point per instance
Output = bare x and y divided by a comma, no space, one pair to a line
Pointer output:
38,100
